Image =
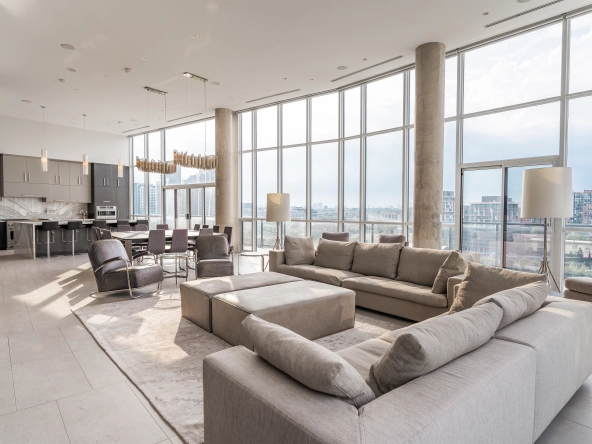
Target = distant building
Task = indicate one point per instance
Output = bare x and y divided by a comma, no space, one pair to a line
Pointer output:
582,206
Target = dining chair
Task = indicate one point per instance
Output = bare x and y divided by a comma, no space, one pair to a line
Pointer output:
156,245
196,227
216,228
141,227
162,226
205,226
178,250
106,234
124,228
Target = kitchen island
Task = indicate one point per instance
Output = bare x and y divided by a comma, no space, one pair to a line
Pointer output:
31,242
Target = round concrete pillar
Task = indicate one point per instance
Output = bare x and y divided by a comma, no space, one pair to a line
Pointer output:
226,187
429,145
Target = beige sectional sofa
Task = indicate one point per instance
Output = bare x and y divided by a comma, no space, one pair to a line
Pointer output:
407,292
506,391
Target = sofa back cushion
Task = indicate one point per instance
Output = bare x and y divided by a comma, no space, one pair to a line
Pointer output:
519,302
308,362
377,259
391,239
299,250
420,265
426,346
455,264
482,280
335,254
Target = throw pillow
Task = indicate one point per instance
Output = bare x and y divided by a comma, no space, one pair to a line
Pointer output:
455,264
482,280
518,302
309,363
391,239
335,254
299,250
420,265
424,347
376,259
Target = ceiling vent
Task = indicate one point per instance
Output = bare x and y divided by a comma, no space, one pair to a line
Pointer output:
135,129
273,95
184,117
367,68
528,11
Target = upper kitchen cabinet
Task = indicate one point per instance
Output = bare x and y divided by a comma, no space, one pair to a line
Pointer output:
34,173
76,176
22,177
59,172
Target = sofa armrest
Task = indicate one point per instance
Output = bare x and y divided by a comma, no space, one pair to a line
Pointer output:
276,257
248,401
452,288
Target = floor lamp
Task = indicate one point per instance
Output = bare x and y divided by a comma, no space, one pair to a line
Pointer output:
547,193
278,210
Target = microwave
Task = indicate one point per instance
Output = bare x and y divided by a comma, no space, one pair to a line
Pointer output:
106,212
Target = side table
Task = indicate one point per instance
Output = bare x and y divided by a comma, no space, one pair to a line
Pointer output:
260,254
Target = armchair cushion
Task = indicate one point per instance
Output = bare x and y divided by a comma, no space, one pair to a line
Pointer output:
214,268
211,247
335,254
299,250
579,284
140,276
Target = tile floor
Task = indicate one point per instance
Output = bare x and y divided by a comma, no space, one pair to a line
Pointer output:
58,386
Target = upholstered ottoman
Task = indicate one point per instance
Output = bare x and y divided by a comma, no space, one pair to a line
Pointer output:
579,288
196,295
309,308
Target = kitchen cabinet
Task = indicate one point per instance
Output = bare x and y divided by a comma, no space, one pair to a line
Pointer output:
22,177
59,172
80,194
110,190
14,169
11,189
58,193
34,173
105,196
122,203
76,176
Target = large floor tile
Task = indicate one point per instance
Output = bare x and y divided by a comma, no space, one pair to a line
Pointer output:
98,367
155,415
37,425
7,401
78,337
54,313
48,379
563,431
37,345
4,351
14,318
578,409
586,388
111,414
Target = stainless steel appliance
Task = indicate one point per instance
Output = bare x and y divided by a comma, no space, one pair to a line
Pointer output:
106,212
10,239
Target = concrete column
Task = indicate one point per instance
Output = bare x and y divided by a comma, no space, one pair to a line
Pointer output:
226,173
429,145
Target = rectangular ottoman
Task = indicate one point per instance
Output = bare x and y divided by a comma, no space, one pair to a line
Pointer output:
311,309
196,295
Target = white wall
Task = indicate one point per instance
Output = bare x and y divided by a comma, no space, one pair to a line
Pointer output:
24,137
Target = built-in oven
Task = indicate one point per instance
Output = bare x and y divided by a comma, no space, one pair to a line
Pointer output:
106,212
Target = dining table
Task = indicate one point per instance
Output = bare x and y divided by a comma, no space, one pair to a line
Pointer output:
128,238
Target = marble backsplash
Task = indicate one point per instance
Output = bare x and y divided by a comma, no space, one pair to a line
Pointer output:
31,208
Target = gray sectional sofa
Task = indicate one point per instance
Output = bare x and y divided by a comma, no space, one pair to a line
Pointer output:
389,278
505,391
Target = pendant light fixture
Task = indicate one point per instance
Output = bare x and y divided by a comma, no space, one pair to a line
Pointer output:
120,168
44,162
204,162
85,156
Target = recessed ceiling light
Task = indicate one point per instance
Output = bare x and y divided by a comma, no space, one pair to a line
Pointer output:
128,70
106,75
194,36
341,68
62,80
285,78
311,79
76,89
486,13
26,101
364,59
144,58
71,69
522,1
214,83
67,46
134,120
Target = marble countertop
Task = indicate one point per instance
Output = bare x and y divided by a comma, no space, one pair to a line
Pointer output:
65,221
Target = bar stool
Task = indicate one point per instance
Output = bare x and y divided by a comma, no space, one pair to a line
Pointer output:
72,226
49,228
100,224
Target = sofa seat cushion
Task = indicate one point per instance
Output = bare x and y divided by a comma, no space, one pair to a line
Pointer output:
561,335
579,284
362,356
307,362
335,254
140,276
420,265
397,289
299,250
377,259
320,274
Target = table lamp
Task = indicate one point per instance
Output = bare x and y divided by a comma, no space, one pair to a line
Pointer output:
547,193
278,210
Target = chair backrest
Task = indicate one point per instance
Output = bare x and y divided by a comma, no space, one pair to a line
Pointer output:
101,251
391,239
96,233
211,247
179,242
206,232
122,222
156,242
206,226
141,227
106,234
196,227
216,228
124,228
142,221
100,223
162,226
228,233
340,236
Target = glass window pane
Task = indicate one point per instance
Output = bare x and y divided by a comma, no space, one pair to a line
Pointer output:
324,181
353,230
266,179
246,131
516,70
247,235
294,123
411,175
267,127
580,66
351,112
324,117
139,192
294,180
449,182
375,230
579,157
138,147
169,196
210,205
526,132
154,194
297,229
447,238
450,82
266,235
578,254
197,204
246,185
351,179
384,104
318,228
384,177
154,146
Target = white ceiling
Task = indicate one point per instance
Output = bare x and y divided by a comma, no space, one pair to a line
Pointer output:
249,46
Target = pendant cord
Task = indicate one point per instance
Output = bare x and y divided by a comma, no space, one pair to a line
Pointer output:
205,121
43,111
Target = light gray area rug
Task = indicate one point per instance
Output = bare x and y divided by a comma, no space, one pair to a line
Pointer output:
162,353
